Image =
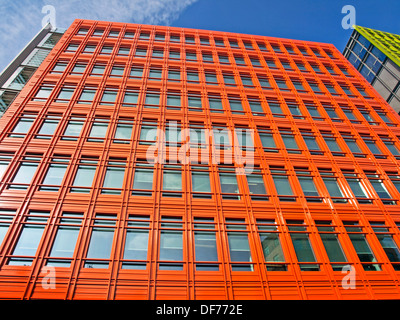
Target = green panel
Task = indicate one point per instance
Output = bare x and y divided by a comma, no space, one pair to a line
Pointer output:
388,43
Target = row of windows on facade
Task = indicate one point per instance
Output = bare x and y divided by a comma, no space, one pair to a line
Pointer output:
366,187
219,138
153,98
172,247
223,58
361,52
228,79
218,42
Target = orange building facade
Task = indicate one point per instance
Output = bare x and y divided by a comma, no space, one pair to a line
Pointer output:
149,162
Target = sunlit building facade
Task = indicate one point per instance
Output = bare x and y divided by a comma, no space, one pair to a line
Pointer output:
149,162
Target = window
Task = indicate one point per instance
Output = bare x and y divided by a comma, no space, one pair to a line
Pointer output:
87,95
229,79
79,68
193,76
6,218
282,183
101,241
256,185
294,109
158,53
55,173
130,98
171,243
59,67
174,54
379,187
197,135
143,178
221,137
238,241
207,57
332,144
229,184
206,253
255,106
302,245
289,140
267,139
124,51
89,49
5,159
191,56
173,101
129,35
23,125
174,74
194,102
172,181
332,185
28,242
385,238
235,105
361,246
371,144
271,245
352,144
215,104
123,132
74,128
276,109
25,172
99,130
63,247
394,150
65,94
148,133
244,138
141,52
314,113
307,184
356,186
152,100
44,92
311,142
48,126
211,78
114,176
136,242
84,175
106,50
109,96
333,248
117,71
136,72
98,70
201,187
173,136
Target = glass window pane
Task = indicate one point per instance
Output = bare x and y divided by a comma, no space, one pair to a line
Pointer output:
282,185
84,176
136,243
205,246
100,243
172,181
333,247
143,179
201,182
65,241
271,246
171,245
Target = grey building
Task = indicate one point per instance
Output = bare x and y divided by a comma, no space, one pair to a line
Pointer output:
14,77
376,55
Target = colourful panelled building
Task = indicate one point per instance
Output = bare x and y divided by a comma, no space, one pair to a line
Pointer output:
149,162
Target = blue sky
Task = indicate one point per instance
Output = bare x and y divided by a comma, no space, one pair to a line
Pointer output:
314,20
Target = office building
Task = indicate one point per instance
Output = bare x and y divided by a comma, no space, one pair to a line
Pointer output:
149,162
376,55
14,77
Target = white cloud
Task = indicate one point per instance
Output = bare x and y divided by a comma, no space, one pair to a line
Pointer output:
21,20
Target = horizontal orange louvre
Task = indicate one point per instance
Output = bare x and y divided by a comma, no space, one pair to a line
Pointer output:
149,162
